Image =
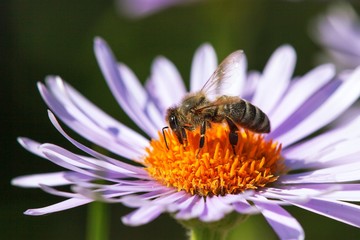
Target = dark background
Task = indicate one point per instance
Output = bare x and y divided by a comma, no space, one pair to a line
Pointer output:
42,37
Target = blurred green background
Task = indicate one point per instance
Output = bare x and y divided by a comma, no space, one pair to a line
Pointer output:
42,37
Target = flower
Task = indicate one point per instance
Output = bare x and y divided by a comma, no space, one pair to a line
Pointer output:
289,166
142,8
338,32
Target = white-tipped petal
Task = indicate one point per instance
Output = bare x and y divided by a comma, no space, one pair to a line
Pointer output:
275,79
203,65
61,206
337,103
285,225
34,180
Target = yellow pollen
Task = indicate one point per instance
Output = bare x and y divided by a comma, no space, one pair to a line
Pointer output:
214,169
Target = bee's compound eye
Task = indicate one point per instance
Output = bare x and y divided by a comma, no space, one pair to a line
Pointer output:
173,122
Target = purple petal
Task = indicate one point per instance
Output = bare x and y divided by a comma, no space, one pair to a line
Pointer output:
261,198
65,93
122,184
251,83
340,211
343,192
198,208
276,76
61,206
139,200
203,65
299,192
164,196
343,152
142,8
285,225
342,173
346,60
86,162
34,180
141,103
100,194
79,114
143,215
171,198
175,207
215,209
306,109
245,208
83,161
342,23
56,192
185,208
239,202
151,188
348,192
299,91
76,177
71,161
165,85
31,145
130,168
347,117
119,86
337,103
320,144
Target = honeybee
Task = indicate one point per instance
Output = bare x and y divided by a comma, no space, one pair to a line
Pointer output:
198,110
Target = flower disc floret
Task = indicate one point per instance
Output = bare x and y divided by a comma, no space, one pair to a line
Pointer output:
215,169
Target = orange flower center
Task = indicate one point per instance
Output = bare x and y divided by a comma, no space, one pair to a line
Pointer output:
214,169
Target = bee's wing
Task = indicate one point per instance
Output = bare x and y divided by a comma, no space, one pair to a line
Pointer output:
228,71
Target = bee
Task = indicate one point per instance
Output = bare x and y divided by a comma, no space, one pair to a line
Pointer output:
198,110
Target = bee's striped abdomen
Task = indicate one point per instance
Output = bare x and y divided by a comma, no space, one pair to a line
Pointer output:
248,116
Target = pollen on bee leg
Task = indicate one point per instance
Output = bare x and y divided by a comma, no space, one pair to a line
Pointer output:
214,169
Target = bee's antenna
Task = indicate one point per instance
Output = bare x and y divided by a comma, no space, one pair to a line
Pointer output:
163,132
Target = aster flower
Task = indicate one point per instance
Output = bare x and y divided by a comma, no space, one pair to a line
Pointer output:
338,32
142,8
289,166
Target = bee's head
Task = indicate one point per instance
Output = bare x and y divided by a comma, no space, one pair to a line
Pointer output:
173,119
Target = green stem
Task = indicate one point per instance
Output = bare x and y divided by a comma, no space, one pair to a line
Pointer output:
218,230
97,221
208,234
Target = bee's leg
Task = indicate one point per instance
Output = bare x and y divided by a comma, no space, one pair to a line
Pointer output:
233,135
163,132
184,136
202,134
